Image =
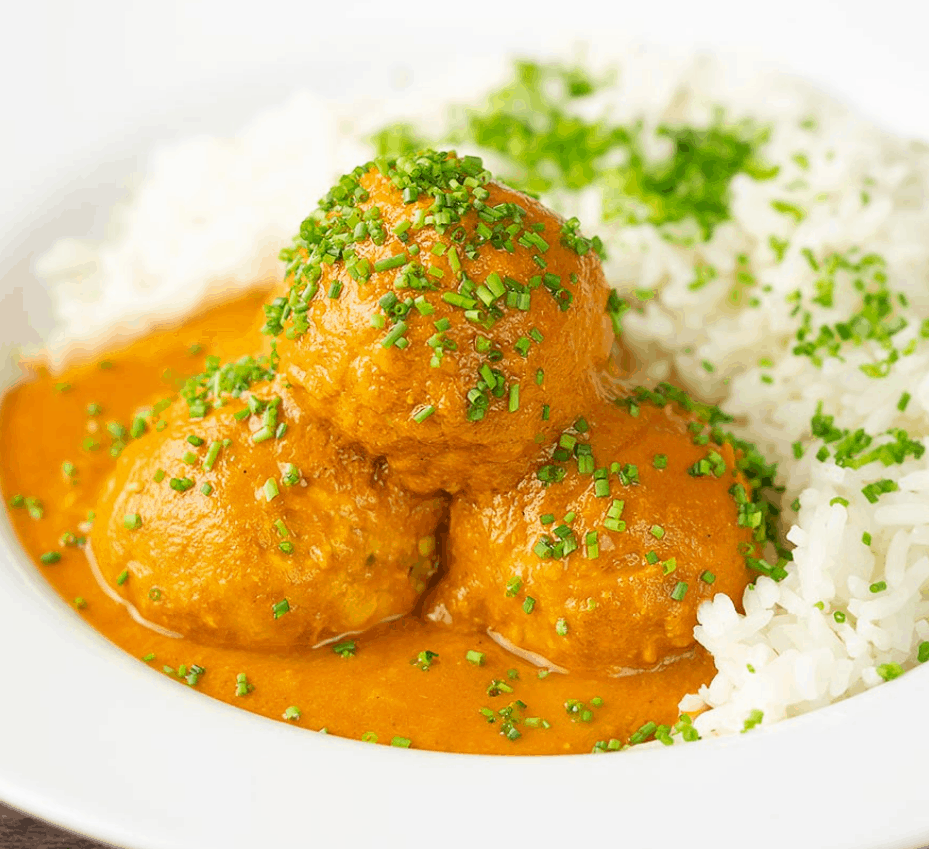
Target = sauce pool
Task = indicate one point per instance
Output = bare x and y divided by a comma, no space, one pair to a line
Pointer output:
407,682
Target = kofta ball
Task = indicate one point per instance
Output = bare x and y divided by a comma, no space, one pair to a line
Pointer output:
252,527
599,558
443,320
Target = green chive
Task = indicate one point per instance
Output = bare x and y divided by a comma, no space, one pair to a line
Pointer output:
423,413
291,476
390,262
345,649
889,671
212,455
50,558
132,521
394,335
270,489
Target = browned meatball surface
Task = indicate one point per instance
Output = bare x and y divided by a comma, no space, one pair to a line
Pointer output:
445,321
234,533
600,556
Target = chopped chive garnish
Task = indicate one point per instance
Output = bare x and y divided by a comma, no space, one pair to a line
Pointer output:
707,577
529,604
475,657
212,455
180,484
270,489
122,577
423,413
394,335
346,648
679,591
390,262
889,671
132,521
291,476
280,608
50,558
263,434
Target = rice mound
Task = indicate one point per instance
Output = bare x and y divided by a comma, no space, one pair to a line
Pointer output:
846,205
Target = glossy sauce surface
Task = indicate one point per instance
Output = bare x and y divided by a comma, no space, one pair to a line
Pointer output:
54,450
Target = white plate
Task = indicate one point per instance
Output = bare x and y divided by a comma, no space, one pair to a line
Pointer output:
93,740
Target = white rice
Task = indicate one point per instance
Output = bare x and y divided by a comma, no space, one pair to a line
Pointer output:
213,212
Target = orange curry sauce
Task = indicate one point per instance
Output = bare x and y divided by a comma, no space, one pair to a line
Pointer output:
54,447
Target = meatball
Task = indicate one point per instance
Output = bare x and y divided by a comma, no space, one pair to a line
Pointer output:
251,527
601,555
445,321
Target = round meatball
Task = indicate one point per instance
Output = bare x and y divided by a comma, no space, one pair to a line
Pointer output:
601,555
461,318
253,528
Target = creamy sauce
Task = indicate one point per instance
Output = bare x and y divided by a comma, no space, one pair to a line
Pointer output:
377,693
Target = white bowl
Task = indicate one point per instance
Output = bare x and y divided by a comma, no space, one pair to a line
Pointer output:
95,741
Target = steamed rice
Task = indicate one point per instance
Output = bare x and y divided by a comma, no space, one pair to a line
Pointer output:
212,213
